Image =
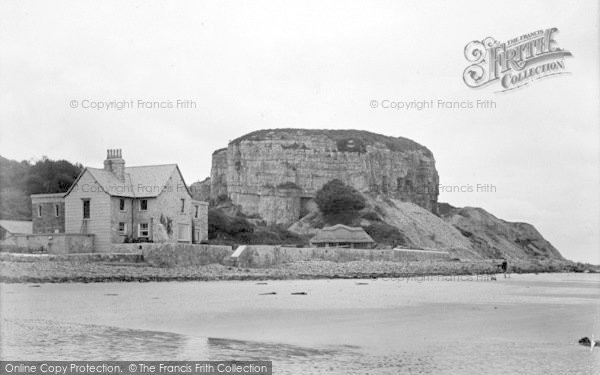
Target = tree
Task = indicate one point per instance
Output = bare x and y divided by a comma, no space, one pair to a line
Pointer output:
339,203
51,176
19,179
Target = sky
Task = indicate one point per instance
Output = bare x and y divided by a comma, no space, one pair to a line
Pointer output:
243,66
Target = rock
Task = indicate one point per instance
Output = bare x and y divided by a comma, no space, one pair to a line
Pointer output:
276,173
422,228
496,238
201,190
585,341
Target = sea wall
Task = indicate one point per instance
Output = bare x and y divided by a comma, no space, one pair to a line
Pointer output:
266,256
173,255
52,243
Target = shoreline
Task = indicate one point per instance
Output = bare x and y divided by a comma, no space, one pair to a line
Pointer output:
61,271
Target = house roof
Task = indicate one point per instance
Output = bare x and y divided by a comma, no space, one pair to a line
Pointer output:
342,233
17,226
140,182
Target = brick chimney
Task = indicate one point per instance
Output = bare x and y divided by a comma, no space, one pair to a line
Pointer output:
114,163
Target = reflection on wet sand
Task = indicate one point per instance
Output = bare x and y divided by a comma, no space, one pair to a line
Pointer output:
53,340
529,324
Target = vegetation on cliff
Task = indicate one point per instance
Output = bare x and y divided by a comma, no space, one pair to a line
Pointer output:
227,227
339,203
386,234
348,140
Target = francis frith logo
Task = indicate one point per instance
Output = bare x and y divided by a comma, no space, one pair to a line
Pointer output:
514,63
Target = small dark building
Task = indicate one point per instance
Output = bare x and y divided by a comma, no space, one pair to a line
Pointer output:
48,213
342,236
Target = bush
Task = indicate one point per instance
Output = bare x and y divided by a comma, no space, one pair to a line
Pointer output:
371,215
219,223
339,203
235,230
386,234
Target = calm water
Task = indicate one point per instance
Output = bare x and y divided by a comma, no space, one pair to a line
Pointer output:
525,325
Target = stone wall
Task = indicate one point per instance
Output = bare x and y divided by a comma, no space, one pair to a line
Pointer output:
266,256
254,169
200,221
55,243
73,258
173,255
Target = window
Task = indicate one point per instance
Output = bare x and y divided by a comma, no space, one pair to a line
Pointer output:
122,228
196,211
86,208
182,205
40,210
196,236
143,230
56,210
183,232
144,205
122,204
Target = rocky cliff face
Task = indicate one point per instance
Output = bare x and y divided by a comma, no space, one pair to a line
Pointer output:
275,173
496,238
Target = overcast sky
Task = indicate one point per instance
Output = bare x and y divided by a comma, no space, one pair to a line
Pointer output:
312,64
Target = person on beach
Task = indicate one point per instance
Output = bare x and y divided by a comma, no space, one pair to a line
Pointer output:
504,267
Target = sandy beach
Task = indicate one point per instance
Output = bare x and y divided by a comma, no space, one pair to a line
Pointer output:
525,324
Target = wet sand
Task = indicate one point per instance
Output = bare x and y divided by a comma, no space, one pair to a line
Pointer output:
525,324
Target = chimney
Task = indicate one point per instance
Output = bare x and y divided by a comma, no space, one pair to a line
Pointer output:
114,163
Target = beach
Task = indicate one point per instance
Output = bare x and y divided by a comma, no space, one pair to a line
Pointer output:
523,324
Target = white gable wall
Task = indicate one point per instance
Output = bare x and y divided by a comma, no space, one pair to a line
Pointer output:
99,222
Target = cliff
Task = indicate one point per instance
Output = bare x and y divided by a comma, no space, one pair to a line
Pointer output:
272,176
276,173
496,238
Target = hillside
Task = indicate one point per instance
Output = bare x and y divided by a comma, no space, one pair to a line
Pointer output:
20,179
496,238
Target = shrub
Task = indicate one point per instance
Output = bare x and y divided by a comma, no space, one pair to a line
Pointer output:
371,215
338,202
219,223
386,234
235,230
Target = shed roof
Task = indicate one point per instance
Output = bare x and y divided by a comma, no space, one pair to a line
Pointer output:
342,233
17,226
